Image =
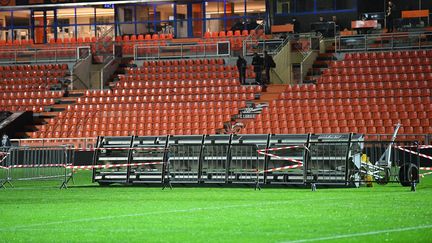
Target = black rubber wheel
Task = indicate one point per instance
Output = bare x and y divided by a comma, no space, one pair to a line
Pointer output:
408,173
386,177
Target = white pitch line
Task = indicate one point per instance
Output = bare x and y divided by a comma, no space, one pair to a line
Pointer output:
136,215
335,237
65,222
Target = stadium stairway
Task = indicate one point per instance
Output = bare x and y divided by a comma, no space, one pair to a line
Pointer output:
322,63
51,112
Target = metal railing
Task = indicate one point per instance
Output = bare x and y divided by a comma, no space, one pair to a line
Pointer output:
108,70
185,50
64,54
392,41
25,163
251,46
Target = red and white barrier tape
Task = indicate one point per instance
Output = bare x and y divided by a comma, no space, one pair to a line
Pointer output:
107,166
281,148
82,167
417,146
425,168
36,166
413,152
299,163
94,149
282,168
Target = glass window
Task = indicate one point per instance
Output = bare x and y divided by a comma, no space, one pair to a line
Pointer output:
66,21
235,8
126,17
235,12
165,11
164,17
325,5
145,18
255,8
50,25
22,25
215,15
284,6
104,15
182,24
197,22
85,17
215,9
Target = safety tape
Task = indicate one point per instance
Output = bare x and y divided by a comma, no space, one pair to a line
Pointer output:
82,167
299,163
416,146
282,148
94,149
36,166
425,168
107,166
413,152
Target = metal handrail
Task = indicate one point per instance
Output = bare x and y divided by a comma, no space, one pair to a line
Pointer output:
182,50
363,42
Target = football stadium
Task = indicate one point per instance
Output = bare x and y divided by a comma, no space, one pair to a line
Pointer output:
215,121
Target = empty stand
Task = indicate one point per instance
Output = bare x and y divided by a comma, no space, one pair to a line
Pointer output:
365,93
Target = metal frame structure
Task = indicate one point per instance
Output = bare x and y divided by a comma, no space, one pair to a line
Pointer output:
392,41
264,159
36,163
188,50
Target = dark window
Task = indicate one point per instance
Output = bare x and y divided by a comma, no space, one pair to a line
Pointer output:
345,4
325,5
128,16
305,6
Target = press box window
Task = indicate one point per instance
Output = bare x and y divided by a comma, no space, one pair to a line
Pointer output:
284,6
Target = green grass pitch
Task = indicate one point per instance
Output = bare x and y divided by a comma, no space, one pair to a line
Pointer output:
39,212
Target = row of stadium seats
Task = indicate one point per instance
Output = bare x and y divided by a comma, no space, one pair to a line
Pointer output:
147,37
42,67
132,109
370,131
32,74
388,54
23,87
80,132
230,33
382,62
147,117
5,83
346,94
183,76
31,94
133,94
375,78
182,69
128,82
184,62
390,69
171,98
